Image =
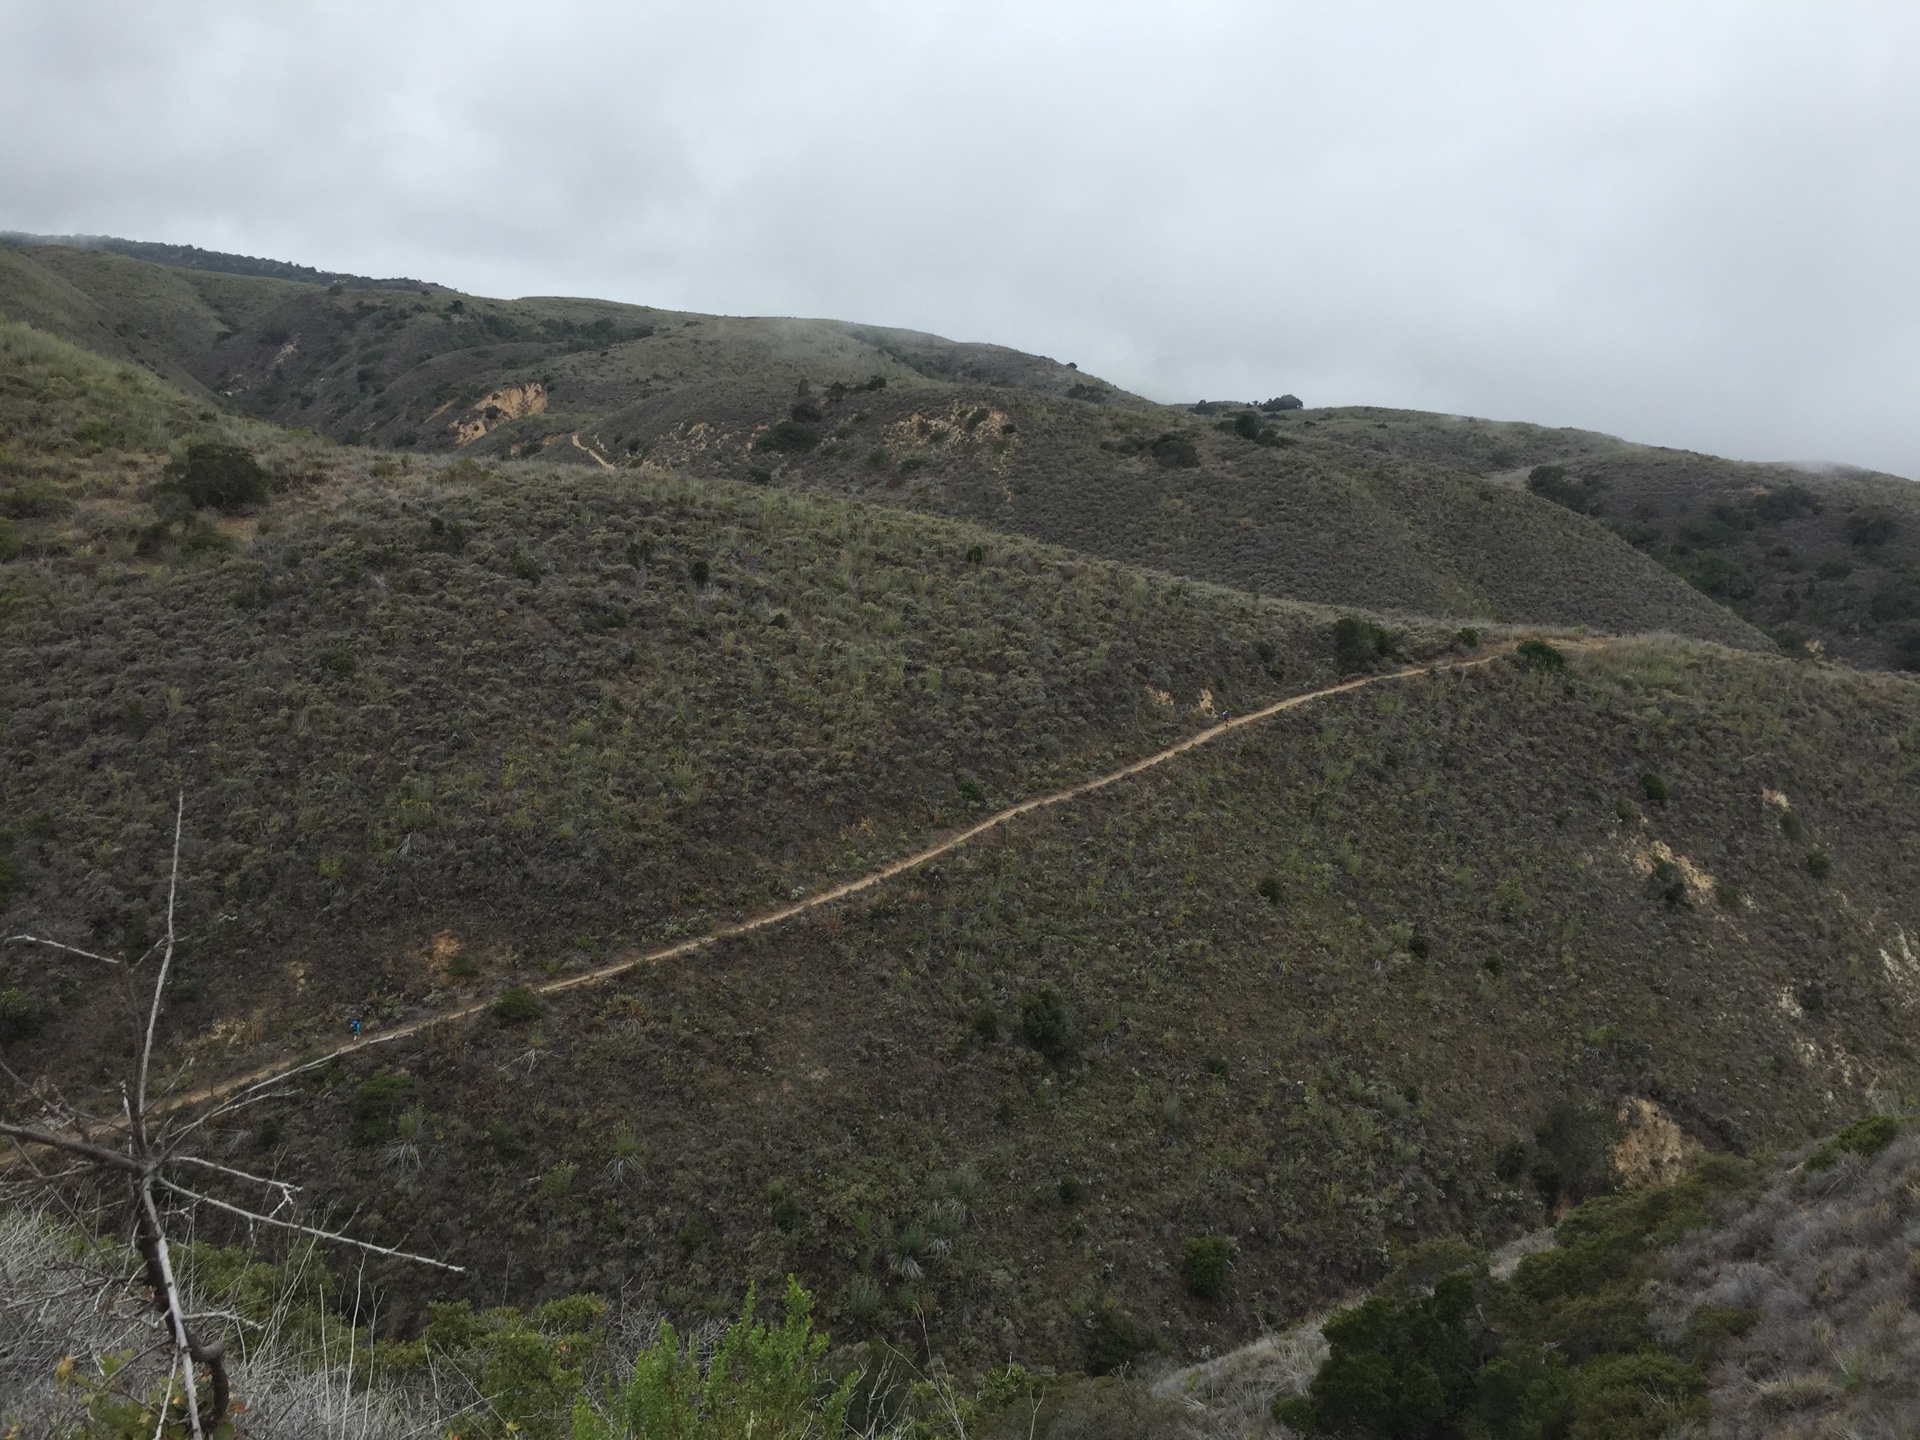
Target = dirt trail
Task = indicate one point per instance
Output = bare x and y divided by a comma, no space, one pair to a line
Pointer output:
838,892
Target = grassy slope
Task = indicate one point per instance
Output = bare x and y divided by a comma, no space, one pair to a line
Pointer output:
1293,1075
1327,521
1794,571
529,729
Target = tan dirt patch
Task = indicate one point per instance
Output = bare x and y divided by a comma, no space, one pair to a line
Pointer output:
1656,1151
509,402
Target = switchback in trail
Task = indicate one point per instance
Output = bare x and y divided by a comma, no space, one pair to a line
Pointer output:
868,881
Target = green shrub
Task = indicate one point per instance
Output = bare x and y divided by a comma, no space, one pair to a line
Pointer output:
9,539
1575,1148
1669,883
215,475
1468,637
1045,1024
1654,787
1865,1138
1537,654
1818,865
1359,643
517,1006
759,476
1511,1161
763,1382
376,1103
1269,889
1868,528
21,1017
782,1208
1396,1372
699,573
790,436
1174,452
1112,1339
1550,482
1072,1190
985,1023
1203,1265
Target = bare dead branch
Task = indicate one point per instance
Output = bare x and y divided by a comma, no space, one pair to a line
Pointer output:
160,982
98,1154
154,1245
286,1188
24,939
312,1230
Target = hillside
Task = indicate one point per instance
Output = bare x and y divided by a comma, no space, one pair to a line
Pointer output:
1015,442
1826,559
463,719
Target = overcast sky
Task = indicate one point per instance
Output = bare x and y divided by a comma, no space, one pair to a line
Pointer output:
1693,225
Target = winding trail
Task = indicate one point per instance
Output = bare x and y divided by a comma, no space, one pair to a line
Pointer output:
769,919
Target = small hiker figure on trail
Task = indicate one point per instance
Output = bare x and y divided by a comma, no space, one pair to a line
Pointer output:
356,1029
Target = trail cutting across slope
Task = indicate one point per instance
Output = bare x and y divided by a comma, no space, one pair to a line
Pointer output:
868,881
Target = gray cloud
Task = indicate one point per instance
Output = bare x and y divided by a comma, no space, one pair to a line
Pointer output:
1687,224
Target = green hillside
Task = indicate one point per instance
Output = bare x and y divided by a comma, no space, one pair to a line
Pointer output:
656,623
1821,559
1014,442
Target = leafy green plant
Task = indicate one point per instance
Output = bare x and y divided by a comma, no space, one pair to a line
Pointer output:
761,1383
21,1017
216,475
1045,1024
518,1006
1111,1338
376,1103
1537,654
1359,643
1866,1138
1654,787
792,436
1818,865
1204,1265
1174,452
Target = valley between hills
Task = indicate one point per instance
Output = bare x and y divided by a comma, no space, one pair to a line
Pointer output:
1353,832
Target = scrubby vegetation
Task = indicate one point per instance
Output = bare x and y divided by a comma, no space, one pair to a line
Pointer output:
1116,1082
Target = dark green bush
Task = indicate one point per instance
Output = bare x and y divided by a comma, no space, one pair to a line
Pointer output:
1866,1137
1203,1265
1281,403
1537,654
1818,865
1654,787
21,1017
782,1208
759,476
1045,1024
1393,1372
9,539
1072,1189
1112,1339
339,661
789,436
1269,889
699,573
1550,482
1468,637
1359,643
215,475
1669,883
1868,528
1511,1163
985,1023
517,1006
1174,452
375,1104
1575,1145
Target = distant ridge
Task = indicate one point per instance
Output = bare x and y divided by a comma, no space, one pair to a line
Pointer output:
192,257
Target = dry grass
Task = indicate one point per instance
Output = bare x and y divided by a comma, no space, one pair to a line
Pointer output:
1830,1264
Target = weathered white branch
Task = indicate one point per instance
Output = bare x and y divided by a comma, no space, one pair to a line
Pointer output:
160,983
312,1230
56,945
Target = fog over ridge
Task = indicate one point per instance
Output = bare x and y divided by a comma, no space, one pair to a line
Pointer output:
1687,225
